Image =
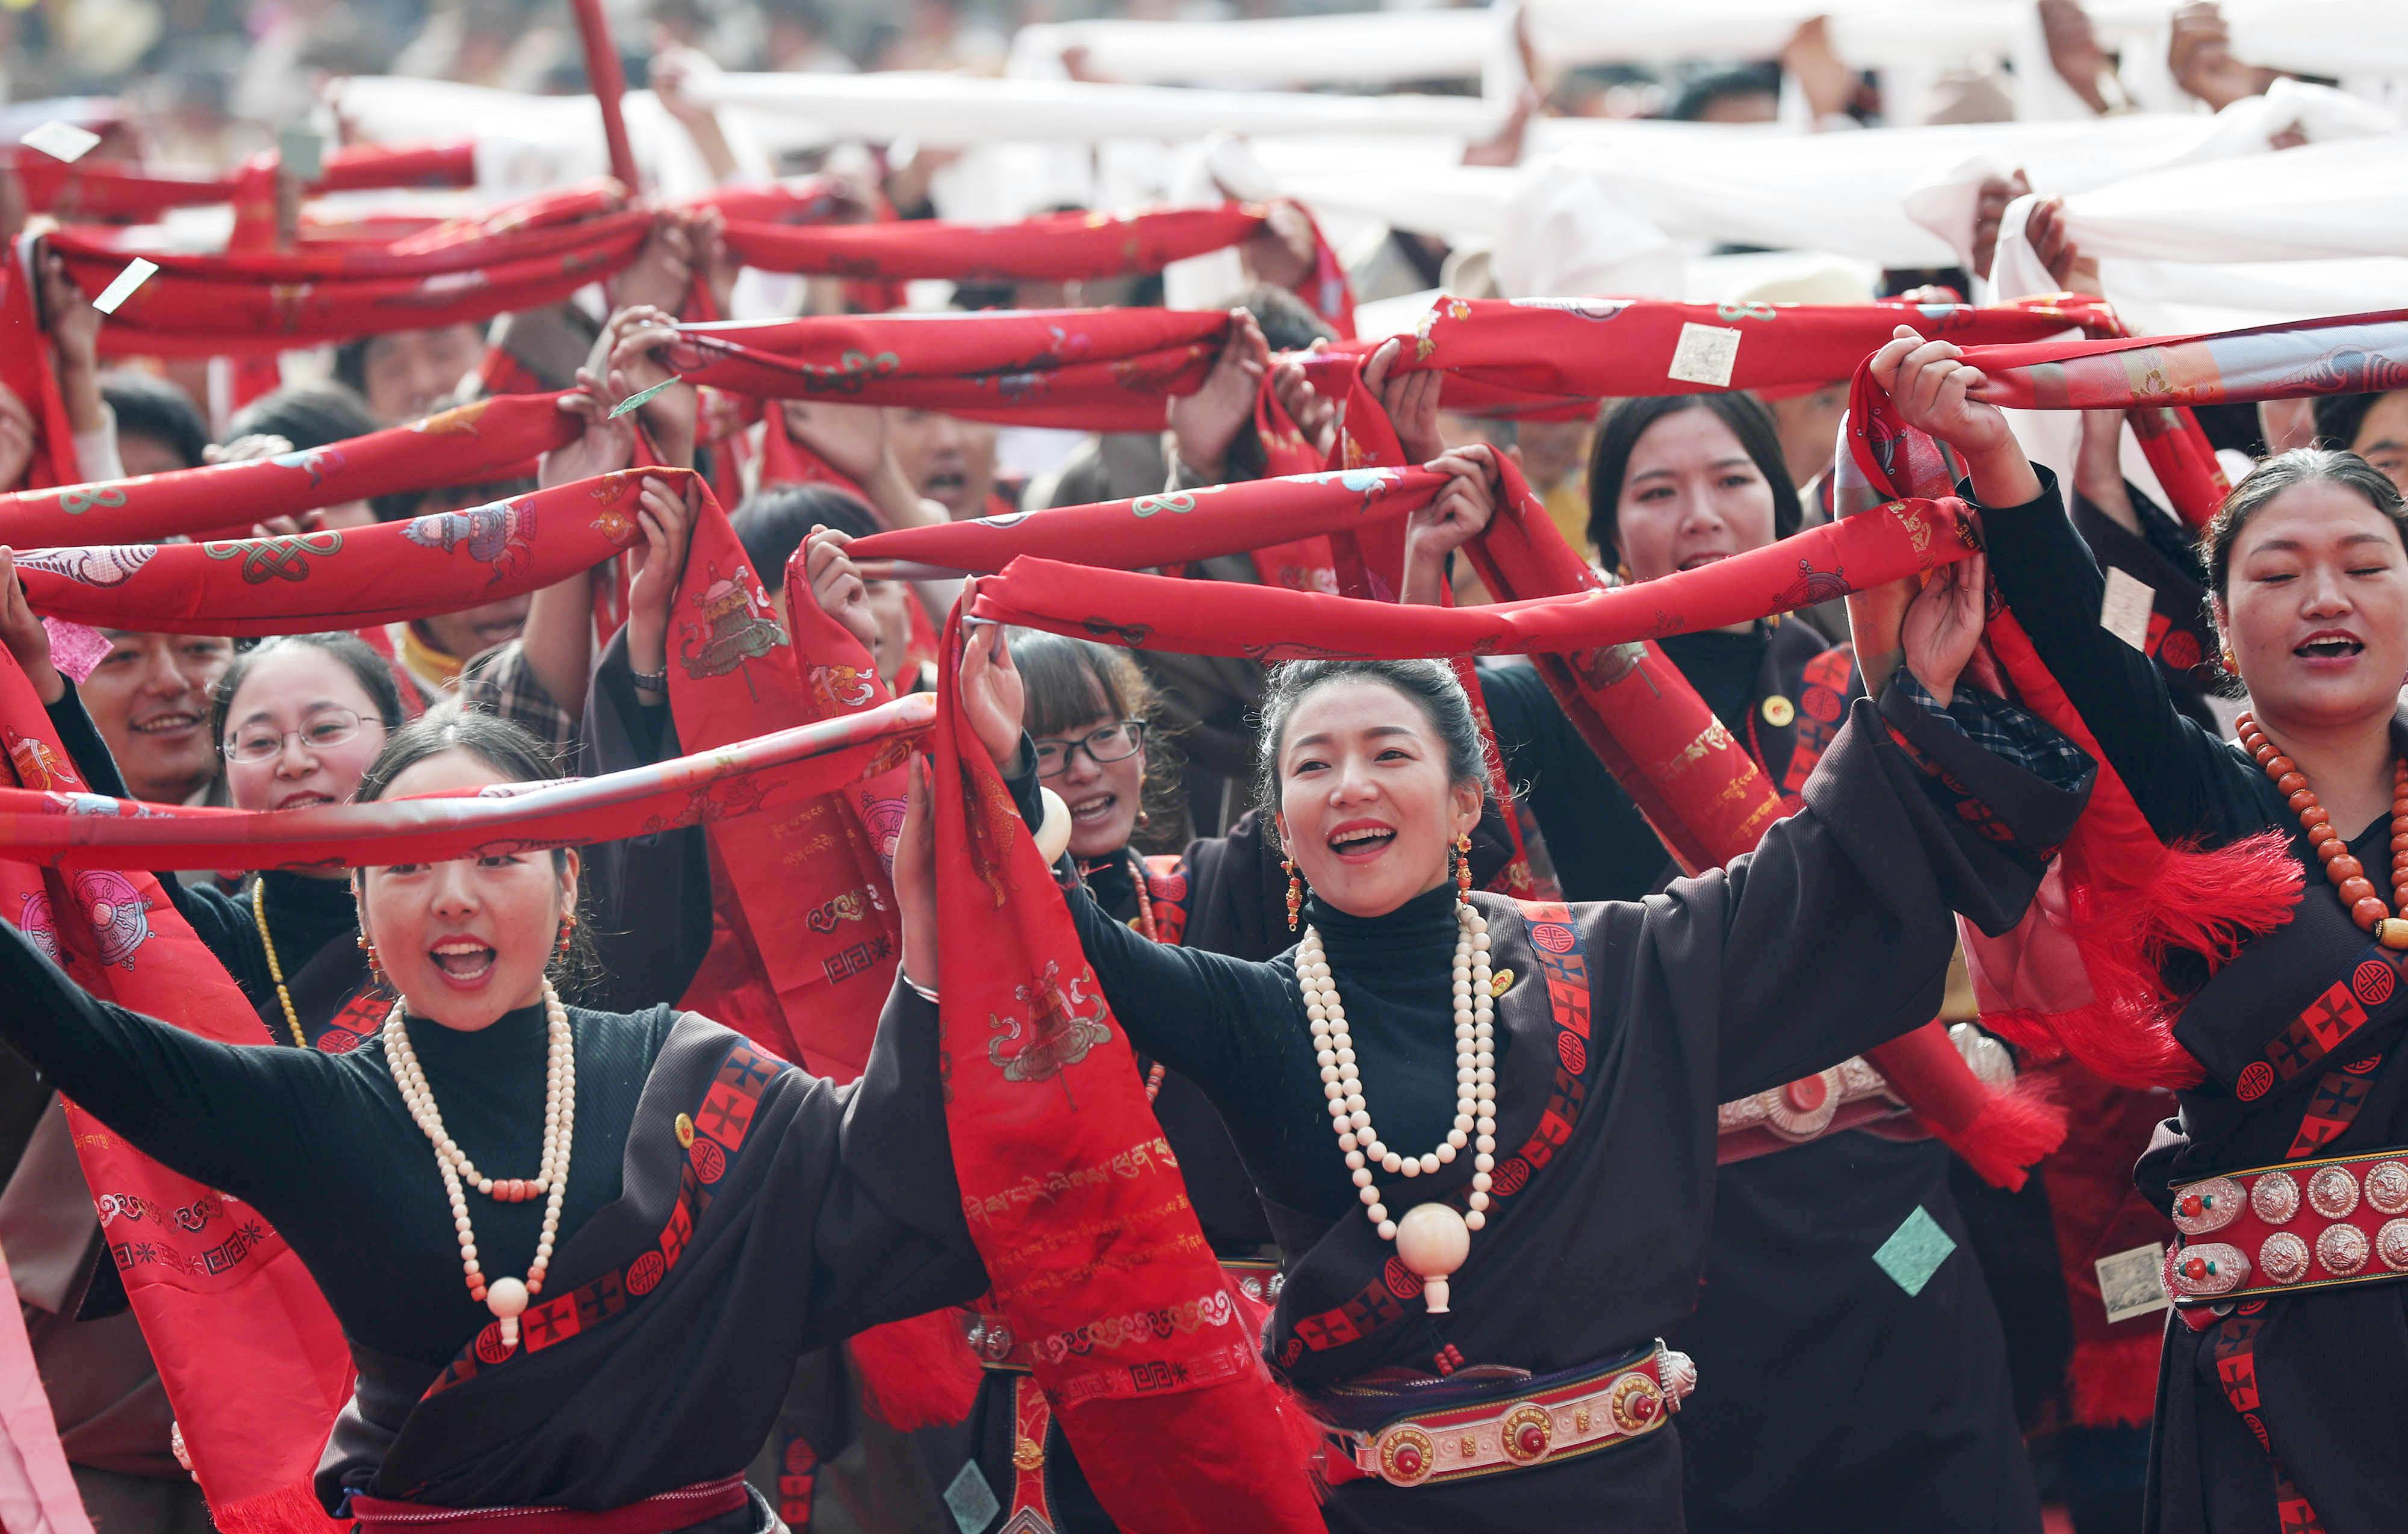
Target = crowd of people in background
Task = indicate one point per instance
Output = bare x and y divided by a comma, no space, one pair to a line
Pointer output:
1883,1337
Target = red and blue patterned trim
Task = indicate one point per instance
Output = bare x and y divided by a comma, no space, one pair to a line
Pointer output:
721,1124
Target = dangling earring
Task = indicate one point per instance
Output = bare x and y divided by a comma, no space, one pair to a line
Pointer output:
567,929
1462,867
1294,893
375,970
2230,664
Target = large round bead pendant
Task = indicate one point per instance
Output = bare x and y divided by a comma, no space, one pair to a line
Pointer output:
507,1299
1433,1241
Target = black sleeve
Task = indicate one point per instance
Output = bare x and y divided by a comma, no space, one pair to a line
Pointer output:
92,762
2049,581
1907,818
650,897
1211,1018
224,1114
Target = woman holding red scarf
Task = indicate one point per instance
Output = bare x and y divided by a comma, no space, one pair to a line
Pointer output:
534,1170
2286,1365
298,718
1493,1308
1838,1380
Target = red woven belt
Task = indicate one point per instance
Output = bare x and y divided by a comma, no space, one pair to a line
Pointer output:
1564,1421
672,1510
2299,1226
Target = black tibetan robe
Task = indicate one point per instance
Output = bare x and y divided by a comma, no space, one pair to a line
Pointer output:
1824,1382
1624,1025
2324,1375
725,1212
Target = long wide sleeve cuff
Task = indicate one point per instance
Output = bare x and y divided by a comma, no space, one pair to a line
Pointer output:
2012,784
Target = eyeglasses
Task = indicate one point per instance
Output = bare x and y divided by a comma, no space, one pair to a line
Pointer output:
256,743
1112,743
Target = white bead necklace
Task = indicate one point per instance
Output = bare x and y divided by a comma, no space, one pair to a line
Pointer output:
507,1298
1432,1239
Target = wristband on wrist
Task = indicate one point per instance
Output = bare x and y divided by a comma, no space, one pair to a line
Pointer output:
650,681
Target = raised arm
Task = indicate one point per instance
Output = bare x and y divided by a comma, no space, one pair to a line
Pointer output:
230,1116
651,896
2052,586
1206,1015
1834,935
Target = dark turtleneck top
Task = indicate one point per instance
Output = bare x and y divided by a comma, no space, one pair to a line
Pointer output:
322,1146
1238,1030
304,914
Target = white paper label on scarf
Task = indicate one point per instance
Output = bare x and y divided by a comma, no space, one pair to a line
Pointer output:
2125,613
971,1500
2133,1282
136,272
301,153
61,140
1706,354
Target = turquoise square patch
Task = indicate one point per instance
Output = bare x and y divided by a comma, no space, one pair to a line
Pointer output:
1914,1251
971,1500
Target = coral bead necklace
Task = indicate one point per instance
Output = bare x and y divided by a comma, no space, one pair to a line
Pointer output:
2350,878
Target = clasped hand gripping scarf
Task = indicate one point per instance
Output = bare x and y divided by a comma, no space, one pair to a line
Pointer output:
2081,975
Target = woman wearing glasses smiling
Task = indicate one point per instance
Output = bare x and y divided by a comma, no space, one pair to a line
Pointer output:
297,719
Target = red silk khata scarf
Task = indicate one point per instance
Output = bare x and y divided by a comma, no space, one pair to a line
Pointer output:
354,577
1112,369
1555,357
1092,370
523,255
1264,624
806,934
112,192
252,1361
1172,528
61,826
1051,247
471,444
1074,1197
2081,974
27,369
1702,793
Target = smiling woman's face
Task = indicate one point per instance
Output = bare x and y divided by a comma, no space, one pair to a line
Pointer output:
2315,609
1368,808
468,941
301,697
